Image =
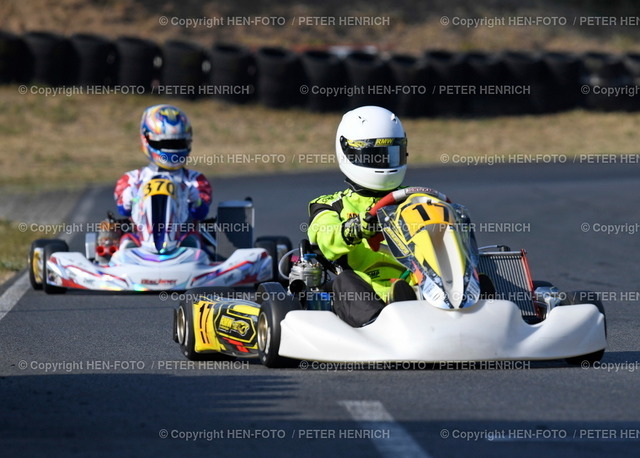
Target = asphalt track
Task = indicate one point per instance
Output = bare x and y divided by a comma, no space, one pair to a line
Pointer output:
117,384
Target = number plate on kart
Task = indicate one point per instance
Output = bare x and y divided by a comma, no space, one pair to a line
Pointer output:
159,186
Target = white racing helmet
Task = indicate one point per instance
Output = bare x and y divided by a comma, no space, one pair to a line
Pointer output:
372,148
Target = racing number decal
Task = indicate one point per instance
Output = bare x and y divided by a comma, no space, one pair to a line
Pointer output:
415,217
159,186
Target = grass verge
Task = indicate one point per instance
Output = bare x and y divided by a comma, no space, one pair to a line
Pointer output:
14,246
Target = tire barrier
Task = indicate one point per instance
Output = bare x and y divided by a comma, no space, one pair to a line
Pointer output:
97,60
54,61
436,83
185,69
140,62
410,76
280,77
15,60
326,75
368,76
233,67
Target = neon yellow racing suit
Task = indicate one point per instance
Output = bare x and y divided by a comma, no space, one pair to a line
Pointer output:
328,215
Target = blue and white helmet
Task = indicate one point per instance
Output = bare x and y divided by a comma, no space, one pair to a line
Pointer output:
165,132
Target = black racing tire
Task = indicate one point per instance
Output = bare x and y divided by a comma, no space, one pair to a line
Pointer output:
411,73
276,246
605,70
324,70
486,70
35,267
54,60
183,325
585,297
186,65
527,71
280,78
275,303
53,246
15,60
97,59
564,76
368,71
445,68
140,62
233,66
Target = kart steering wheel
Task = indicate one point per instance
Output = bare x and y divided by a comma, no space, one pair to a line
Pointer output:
395,197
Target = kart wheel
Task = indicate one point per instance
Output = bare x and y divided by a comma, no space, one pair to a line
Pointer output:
275,303
585,297
35,262
184,325
277,247
53,246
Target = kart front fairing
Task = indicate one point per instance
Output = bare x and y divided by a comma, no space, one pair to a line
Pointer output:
430,239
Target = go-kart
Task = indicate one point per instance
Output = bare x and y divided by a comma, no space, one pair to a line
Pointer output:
471,304
159,248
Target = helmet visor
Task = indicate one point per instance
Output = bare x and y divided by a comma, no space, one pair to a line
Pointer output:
376,153
174,144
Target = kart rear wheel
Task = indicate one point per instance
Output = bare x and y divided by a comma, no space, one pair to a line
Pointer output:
585,297
35,262
184,326
276,246
275,303
53,246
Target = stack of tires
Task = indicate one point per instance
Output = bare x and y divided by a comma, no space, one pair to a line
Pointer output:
233,73
54,61
97,60
186,68
447,74
280,78
15,59
564,92
326,76
606,82
140,63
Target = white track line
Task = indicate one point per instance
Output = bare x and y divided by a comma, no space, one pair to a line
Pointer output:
15,292
373,415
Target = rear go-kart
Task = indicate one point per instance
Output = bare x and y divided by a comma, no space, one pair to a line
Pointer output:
160,248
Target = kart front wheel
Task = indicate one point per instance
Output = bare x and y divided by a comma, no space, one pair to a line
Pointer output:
51,247
585,297
275,304
36,259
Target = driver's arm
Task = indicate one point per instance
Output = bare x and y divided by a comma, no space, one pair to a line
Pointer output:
334,234
325,230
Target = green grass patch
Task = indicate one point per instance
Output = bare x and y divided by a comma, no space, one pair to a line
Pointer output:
14,246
